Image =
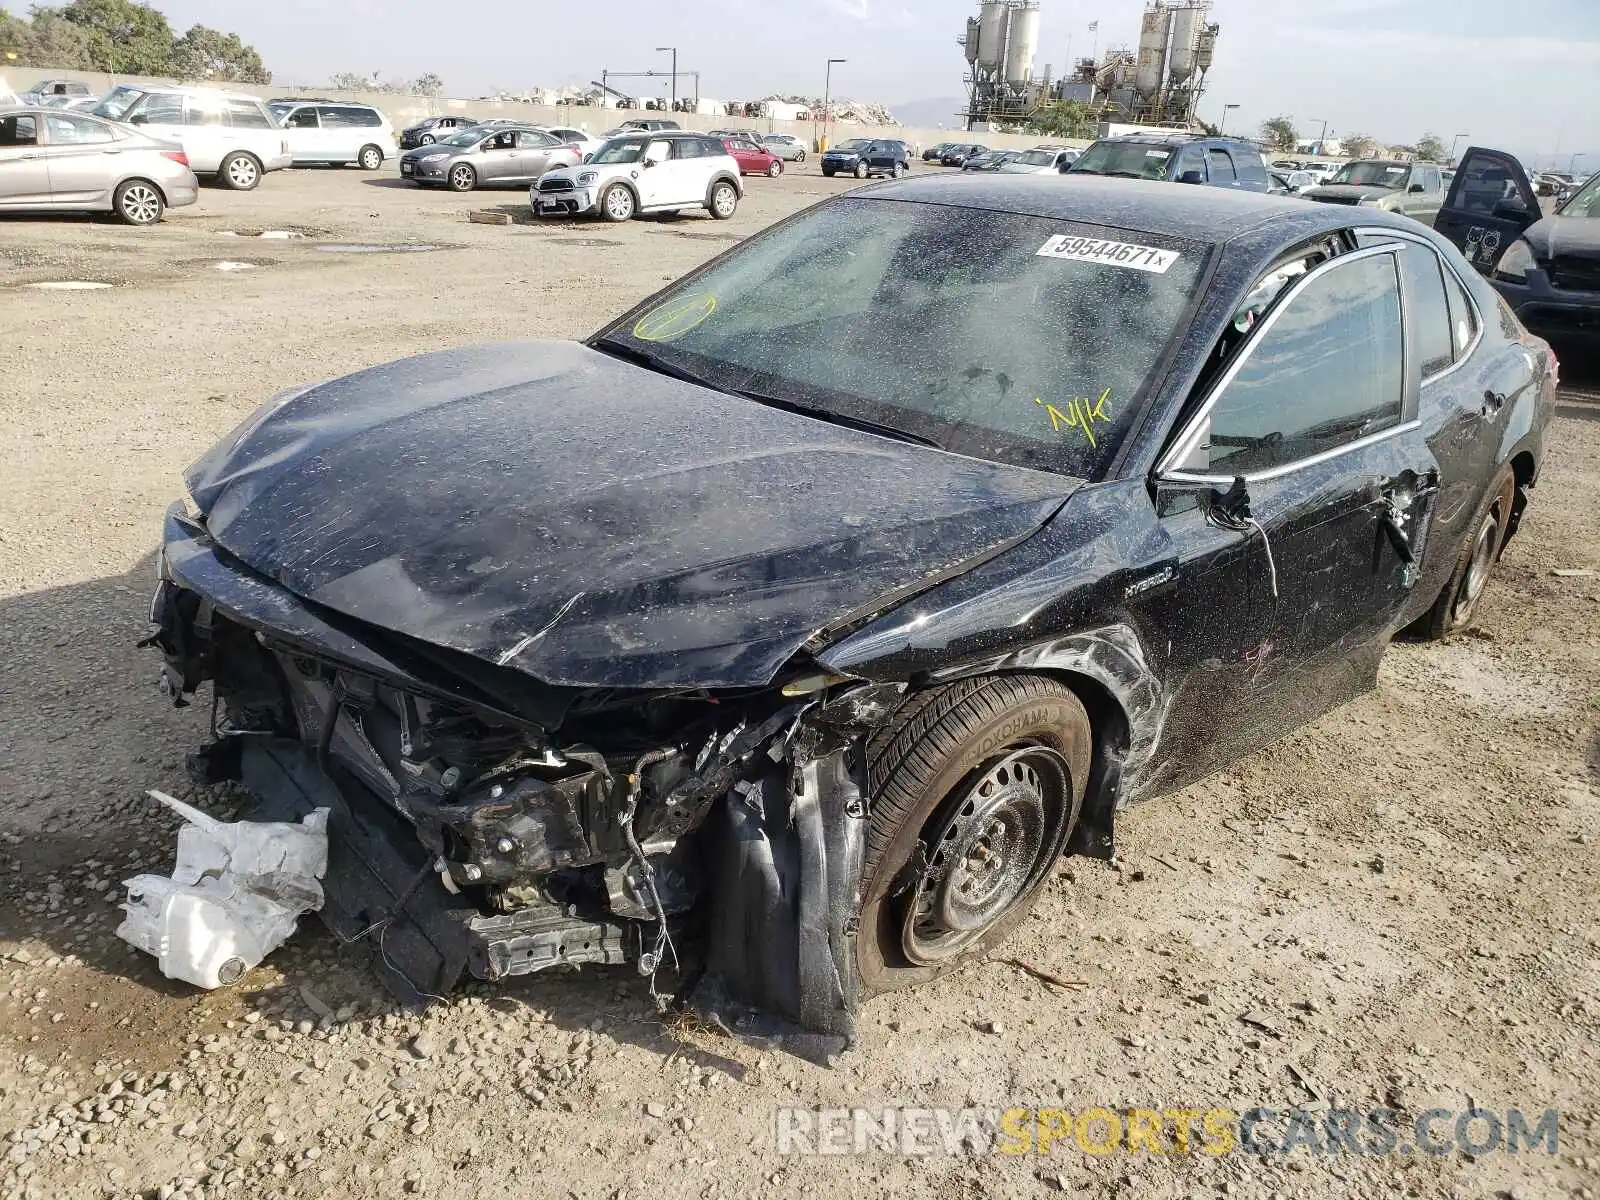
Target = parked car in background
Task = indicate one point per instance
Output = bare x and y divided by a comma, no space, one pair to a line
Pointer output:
228,136
332,132
1291,183
433,129
51,160
887,156
53,93
1042,160
1551,183
580,141
1414,189
845,158
644,173
500,156
644,125
753,159
1546,268
935,153
1177,158
786,146
848,583
959,152
992,161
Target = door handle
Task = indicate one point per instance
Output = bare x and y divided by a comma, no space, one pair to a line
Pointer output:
1493,401
26,157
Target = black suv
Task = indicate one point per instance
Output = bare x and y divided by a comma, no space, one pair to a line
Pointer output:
1179,158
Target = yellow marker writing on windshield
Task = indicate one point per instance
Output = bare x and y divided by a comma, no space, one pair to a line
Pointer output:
674,318
1081,414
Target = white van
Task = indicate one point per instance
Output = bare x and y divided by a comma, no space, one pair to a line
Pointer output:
227,135
327,131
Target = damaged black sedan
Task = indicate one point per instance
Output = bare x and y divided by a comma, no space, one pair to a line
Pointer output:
779,639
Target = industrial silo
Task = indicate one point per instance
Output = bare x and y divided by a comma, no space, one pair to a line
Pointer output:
992,35
1187,25
971,40
1022,42
1207,48
1152,50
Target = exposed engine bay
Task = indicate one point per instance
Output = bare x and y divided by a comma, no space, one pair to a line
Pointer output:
468,841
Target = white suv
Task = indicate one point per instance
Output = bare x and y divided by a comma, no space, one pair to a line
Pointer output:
644,172
227,135
326,131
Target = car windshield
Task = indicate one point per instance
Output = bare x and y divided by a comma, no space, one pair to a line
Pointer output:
1036,158
467,137
1587,201
117,102
853,144
1372,174
622,150
1136,160
1014,338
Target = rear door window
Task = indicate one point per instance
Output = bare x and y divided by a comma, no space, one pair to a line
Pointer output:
1250,168
1325,373
19,131
1463,316
247,114
302,118
1220,165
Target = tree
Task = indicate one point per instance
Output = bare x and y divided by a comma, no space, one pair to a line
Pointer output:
220,57
1279,133
1359,145
423,85
1431,148
124,38
429,85
1063,118
46,41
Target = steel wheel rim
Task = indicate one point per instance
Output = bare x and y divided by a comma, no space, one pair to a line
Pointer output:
1482,563
371,160
140,204
775,170
723,201
242,172
461,177
985,851
619,204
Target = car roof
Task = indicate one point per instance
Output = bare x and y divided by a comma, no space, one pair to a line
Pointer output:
1201,214
1157,137
42,110
183,89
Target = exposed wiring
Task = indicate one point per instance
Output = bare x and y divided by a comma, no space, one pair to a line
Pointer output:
1266,542
664,943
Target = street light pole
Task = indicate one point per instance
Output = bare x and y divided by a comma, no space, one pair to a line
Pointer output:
1456,142
672,50
1323,136
827,99
1226,109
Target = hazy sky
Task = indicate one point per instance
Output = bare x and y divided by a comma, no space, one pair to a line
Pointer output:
1524,74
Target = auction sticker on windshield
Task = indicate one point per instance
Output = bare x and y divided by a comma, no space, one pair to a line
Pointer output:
1112,254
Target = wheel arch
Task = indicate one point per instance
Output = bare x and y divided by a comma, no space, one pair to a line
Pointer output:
1525,470
633,190
135,177
723,176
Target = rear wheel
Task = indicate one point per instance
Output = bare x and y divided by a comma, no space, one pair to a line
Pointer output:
900,169
1457,605
138,202
617,204
801,157
462,178
370,159
724,200
976,788
240,172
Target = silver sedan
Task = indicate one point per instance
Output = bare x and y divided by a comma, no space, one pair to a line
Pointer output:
51,159
488,156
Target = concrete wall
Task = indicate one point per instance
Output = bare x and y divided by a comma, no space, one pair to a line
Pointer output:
408,110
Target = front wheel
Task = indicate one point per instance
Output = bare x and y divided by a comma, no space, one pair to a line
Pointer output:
827,174
976,788
462,178
1457,604
137,202
370,159
861,170
775,169
724,201
425,140
617,204
240,172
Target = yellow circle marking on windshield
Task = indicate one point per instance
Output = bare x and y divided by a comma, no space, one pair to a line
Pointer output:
674,319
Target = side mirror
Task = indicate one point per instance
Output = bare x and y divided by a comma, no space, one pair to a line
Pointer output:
138,119
648,163
588,158
1191,176
1415,189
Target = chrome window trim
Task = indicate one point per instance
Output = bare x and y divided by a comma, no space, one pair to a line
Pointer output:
1407,236
1192,431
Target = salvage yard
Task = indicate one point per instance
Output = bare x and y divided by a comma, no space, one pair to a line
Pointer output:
1394,907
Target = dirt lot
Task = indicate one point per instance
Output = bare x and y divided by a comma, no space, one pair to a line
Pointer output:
1400,900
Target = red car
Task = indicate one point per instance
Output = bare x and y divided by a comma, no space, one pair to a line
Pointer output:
753,159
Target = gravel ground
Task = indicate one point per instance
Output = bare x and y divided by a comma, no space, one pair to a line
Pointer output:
1393,907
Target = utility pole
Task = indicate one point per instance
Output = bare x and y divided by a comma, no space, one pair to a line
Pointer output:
827,100
1323,136
1456,143
672,50
1226,109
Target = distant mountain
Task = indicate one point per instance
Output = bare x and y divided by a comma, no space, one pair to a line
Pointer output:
930,114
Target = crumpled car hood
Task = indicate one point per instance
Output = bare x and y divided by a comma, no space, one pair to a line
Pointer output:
549,508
